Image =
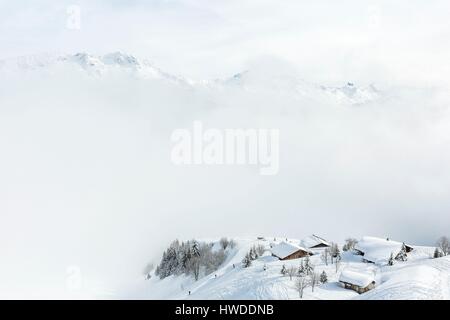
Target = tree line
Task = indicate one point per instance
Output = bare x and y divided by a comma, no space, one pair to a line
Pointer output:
192,258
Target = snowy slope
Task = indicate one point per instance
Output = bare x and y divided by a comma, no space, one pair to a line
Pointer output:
419,278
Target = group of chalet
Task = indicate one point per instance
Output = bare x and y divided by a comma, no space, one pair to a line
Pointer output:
372,250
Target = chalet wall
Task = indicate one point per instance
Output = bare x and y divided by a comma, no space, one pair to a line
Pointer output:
358,288
297,255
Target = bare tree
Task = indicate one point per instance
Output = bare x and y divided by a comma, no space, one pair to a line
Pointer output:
313,280
194,266
148,268
350,244
444,244
291,272
325,255
300,284
338,263
335,253
224,243
260,249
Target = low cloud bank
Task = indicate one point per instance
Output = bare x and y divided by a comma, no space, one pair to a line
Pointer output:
87,179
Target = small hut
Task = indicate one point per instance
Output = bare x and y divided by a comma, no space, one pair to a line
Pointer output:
315,242
378,250
357,281
289,251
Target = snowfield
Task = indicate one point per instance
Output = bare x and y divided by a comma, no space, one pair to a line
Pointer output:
420,277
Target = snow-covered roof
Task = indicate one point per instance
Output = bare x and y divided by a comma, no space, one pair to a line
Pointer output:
357,278
284,249
313,241
378,250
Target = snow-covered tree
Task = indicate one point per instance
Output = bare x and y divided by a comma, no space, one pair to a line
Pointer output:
323,277
253,255
350,244
401,256
224,243
186,256
148,268
291,271
194,267
195,248
437,253
247,261
260,249
308,267
301,269
169,262
190,258
391,260
325,255
283,270
300,284
334,250
211,260
313,280
444,244
337,264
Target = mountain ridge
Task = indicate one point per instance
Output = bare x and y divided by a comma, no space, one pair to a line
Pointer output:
101,65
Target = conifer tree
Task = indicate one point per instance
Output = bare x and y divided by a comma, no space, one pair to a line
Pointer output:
247,261
391,260
401,256
308,267
283,270
301,269
437,253
323,277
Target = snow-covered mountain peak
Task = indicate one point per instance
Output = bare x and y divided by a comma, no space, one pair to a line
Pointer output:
354,94
100,64
283,82
122,59
349,93
94,65
84,60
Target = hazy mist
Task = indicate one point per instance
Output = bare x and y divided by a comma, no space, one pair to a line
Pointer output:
85,173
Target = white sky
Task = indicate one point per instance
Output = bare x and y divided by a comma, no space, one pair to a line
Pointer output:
362,41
